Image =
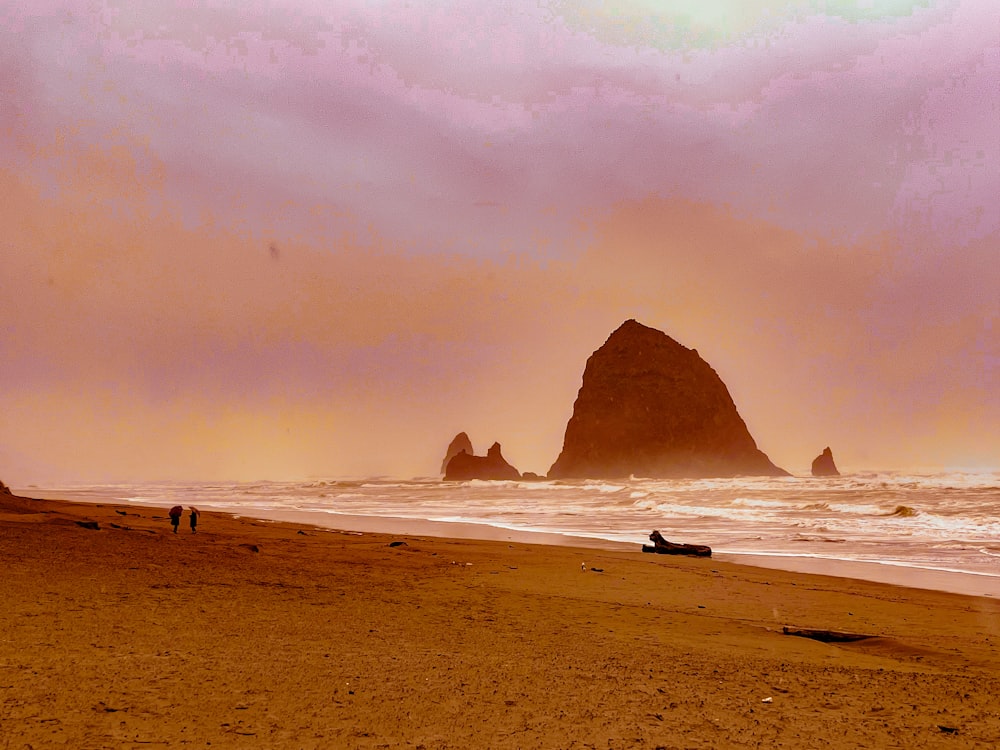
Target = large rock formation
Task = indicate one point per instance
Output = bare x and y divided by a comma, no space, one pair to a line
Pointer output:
458,444
650,407
4,489
823,465
465,466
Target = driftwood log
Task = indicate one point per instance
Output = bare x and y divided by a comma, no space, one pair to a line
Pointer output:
825,636
661,546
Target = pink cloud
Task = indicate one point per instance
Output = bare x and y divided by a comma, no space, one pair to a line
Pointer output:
437,183
395,117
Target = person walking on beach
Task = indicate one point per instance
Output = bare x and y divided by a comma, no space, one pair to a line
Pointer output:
175,516
194,519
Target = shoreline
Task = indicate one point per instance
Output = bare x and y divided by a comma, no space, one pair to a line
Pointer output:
967,583
950,581
909,576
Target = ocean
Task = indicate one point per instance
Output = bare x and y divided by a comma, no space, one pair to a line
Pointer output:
944,522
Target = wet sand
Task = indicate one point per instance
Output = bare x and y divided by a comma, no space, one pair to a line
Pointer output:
956,582
256,633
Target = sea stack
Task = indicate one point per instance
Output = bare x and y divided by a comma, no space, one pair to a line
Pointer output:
650,407
823,465
4,489
458,444
493,466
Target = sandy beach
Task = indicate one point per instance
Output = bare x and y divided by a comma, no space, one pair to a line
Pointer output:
270,634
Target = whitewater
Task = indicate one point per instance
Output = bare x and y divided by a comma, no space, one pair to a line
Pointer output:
946,522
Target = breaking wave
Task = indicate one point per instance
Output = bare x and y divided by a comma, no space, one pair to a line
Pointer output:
950,520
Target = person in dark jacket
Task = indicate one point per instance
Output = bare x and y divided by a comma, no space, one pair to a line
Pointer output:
175,516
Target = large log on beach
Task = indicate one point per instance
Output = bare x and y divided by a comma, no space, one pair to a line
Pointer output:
695,550
661,546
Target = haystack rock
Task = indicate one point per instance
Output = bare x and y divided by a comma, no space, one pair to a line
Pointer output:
650,407
823,465
465,466
460,443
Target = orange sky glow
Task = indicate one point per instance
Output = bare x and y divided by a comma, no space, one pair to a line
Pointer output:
241,244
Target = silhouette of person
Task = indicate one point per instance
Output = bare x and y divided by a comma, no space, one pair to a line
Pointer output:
194,519
175,516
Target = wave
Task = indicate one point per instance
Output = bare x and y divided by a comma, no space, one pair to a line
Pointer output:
824,539
857,510
604,488
749,502
393,485
874,515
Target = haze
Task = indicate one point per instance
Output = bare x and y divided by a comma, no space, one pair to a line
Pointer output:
275,240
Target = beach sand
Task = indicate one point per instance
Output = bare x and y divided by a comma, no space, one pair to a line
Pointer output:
271,635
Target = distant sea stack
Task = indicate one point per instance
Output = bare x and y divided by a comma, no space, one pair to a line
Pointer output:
466,466
823,465
458,444
650,407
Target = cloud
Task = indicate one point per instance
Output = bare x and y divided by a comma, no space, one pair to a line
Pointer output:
405,119
465,201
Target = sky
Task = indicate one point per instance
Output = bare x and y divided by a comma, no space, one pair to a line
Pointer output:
278,239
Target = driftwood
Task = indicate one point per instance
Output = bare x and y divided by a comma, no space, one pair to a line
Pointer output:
825,636
661,546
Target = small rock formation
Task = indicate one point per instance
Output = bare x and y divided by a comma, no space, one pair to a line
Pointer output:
466,466
823,465
460,443
4,489
651,407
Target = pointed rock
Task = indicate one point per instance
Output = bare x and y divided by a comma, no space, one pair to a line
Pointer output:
823,465
4,489
458,444
493,465
651,407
